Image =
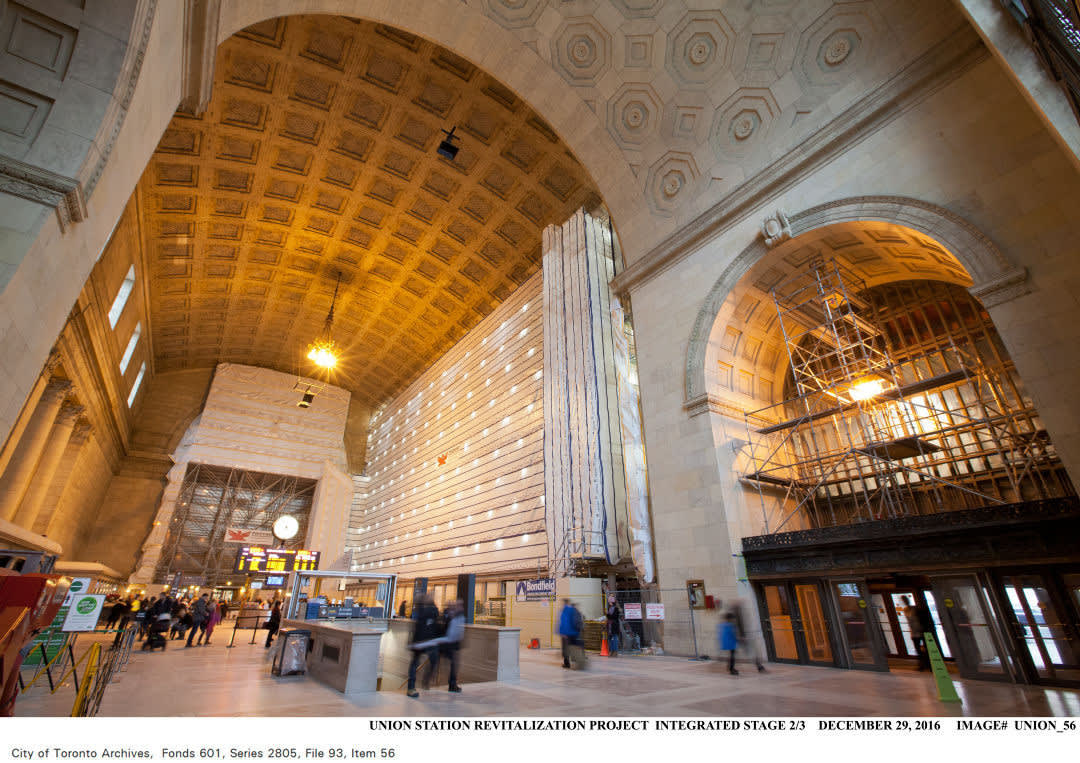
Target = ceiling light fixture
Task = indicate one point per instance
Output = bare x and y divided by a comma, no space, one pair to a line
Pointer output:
446,148
866,388
323,351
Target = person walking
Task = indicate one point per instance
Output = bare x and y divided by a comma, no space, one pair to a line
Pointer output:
571,624
919,621
450,644
212,619
729,640
742,634
199,612
426,628
614,626
273,624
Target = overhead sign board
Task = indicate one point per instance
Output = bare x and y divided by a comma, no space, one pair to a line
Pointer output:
84,613
535,590
248,536
262,559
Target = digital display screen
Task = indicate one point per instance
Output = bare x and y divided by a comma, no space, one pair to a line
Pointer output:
260,559
275,581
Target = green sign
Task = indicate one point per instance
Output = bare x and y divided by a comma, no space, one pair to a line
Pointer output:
83,616
945,689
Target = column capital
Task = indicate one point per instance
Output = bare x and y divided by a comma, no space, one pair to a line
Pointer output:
81,433
69,413
56,389
54,361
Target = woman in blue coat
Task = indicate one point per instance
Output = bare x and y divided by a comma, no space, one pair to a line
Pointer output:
729,640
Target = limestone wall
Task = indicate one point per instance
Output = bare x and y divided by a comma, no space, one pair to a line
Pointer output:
973,147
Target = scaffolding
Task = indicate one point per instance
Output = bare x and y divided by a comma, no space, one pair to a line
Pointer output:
213,499
903,402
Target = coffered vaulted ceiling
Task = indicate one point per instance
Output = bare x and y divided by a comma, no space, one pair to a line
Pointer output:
317,157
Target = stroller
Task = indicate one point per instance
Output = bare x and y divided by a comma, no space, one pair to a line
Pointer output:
155,636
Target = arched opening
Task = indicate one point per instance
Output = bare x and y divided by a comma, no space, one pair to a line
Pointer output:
874,434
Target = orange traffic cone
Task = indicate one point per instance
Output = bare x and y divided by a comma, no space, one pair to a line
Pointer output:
603,647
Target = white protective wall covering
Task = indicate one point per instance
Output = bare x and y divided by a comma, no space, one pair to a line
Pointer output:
633,443
480,409
582,444
251,421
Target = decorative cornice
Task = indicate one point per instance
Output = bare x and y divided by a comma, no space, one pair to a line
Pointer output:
109,131
47,188
998,291
932,71
200,50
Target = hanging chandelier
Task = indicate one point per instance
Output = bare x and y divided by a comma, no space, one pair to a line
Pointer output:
323,352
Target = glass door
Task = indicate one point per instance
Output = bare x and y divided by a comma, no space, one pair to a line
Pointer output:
1043,627
965,614
795,623
777,622
815,628
859,623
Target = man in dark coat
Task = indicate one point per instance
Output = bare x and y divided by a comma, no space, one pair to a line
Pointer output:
426,628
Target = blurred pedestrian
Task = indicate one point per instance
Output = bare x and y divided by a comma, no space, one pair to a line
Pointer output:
614,626
200,610
742,634
571,625
450,644
727,635
426,628
273,624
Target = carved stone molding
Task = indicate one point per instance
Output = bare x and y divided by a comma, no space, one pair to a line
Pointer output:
57,389
69,413
81,433
47,188
775,228
998,291
200,49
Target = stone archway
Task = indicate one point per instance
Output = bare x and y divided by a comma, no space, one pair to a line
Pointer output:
996,279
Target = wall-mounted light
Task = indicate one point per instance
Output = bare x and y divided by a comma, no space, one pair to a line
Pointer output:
307,398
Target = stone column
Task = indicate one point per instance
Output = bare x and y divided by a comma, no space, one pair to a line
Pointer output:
52,515
28,411
51,455
16,478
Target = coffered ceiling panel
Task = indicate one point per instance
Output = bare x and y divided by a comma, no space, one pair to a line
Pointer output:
317,158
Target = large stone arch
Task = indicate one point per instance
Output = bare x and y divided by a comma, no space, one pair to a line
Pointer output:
995,278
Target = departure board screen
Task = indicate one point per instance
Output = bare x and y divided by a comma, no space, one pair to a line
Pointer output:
259,559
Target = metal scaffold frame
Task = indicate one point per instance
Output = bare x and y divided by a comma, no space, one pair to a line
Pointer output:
215,498
904,403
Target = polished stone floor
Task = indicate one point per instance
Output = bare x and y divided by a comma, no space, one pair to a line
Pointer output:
218,681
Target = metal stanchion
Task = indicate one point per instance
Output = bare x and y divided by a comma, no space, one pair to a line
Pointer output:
45,662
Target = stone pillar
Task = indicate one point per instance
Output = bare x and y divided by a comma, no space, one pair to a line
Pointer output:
155,541
24,459
52,515
28,411
51,455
